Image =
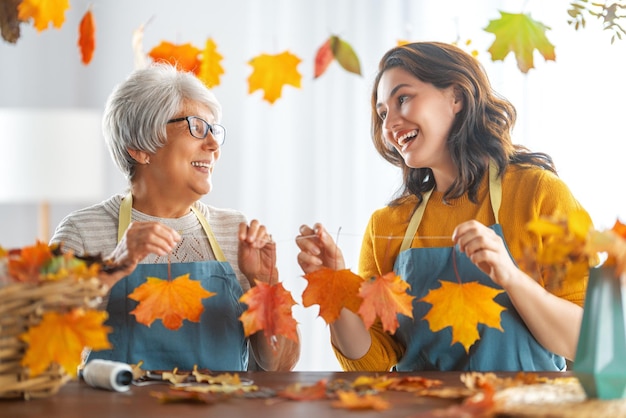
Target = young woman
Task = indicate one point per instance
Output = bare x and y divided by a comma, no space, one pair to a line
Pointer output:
461,215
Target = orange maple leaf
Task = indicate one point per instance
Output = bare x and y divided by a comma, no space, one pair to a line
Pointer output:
269,309
185,57
385,296
43,12
87,37
272,72
26,265
332,290
210,67
61,337
462,306
171,301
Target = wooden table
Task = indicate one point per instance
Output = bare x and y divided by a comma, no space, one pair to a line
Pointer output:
77,399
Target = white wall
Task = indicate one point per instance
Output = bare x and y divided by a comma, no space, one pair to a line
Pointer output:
308,157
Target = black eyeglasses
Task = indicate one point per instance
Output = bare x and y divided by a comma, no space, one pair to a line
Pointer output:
200,128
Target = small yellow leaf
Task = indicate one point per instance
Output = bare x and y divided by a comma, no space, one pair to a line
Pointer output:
463,306
210,67
60,338
271,72
353,401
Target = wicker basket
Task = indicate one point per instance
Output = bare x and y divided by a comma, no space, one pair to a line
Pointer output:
22,305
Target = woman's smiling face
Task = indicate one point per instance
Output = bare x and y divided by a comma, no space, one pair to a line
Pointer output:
416,117
185,164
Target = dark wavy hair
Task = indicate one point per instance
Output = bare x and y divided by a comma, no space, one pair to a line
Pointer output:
481,131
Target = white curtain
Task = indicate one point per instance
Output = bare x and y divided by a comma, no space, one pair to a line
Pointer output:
308,157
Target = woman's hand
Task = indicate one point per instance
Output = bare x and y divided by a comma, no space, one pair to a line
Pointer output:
486,250
139,240
257,253
318,249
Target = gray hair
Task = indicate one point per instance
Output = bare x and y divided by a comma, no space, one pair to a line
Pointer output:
138,109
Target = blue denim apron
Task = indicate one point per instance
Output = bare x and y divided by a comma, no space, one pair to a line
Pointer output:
515,349
216,343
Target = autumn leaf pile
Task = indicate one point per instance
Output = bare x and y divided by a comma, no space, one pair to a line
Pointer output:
54,336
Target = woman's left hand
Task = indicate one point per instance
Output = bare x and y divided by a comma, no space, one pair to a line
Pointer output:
486,250
257,253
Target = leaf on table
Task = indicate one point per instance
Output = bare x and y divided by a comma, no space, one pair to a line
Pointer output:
210,67
354,401
9,23
332,290
87,37
185,57
385,297
43,12
462,306
174,377
27,263
269,310
520,34
171,301
413,383
222,378
300,392
271,72
61,337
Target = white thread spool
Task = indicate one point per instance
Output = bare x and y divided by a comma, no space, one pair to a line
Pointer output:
106,374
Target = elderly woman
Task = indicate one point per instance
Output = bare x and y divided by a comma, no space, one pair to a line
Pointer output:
162,129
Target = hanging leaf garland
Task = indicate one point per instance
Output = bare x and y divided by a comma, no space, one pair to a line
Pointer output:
87,37
9,23
342,51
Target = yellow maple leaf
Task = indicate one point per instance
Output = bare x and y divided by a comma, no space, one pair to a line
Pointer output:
43,12
172,301
272,72
210,67
463,306
61,337
384,297
520,34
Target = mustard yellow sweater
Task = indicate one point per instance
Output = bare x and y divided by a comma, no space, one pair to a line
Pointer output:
527,193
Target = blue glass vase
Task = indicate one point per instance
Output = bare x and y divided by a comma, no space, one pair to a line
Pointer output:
600,363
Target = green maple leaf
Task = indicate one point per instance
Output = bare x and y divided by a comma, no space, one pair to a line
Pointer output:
519,33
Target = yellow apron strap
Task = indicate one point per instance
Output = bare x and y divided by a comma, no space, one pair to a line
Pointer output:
495,189
124,220
217,250
416,219
495,192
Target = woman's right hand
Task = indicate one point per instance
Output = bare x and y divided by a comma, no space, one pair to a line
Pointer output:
140,240
318,249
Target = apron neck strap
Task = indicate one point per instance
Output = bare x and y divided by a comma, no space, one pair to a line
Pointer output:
126,207
495,193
